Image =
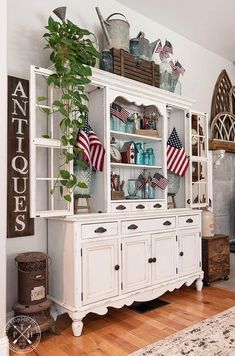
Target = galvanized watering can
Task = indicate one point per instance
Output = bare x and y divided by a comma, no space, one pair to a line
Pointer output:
141,47
116,31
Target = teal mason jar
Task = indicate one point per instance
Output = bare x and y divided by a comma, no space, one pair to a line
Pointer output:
140,154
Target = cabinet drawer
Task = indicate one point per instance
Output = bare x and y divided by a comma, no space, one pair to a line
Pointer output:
121,207
99,230
147,225
189,220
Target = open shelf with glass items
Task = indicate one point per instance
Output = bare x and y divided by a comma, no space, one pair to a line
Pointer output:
136,153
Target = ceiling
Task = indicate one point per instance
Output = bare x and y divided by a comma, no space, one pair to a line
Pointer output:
210,23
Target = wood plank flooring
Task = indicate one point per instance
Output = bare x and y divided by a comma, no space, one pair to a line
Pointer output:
123,331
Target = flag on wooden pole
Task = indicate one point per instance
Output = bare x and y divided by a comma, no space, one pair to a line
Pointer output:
92,148
160,181
119,112
177,159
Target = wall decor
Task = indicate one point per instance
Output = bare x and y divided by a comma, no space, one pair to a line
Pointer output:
19,222
222,115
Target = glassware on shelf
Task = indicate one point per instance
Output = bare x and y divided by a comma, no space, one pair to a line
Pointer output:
130,125
117,124
149,157
132,188
151,190
83,175
140,154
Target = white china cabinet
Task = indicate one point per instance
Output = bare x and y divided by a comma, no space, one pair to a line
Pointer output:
131,247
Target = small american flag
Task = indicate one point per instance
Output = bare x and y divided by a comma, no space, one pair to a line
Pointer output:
119,112
93,149
160,181
168,49
177,160
177,67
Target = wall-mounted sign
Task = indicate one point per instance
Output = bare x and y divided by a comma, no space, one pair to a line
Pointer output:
19,222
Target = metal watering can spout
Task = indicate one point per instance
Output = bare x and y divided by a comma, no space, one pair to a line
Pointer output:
104,25
153,46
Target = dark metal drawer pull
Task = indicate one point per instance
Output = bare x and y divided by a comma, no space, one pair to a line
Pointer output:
140,206
167,223
189,221
154,259
150,260
132,227
121,207
157,206
100,230
181,253
116,267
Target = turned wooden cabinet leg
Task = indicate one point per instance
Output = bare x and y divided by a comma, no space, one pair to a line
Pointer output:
199,284
77,326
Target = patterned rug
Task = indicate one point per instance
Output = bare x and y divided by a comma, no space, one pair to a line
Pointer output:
210,337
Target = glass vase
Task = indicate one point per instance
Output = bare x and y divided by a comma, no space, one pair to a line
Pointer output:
165,75
83,175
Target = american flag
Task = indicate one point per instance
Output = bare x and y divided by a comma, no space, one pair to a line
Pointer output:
119,112
168,49
160,181
177,67
93,149
177,160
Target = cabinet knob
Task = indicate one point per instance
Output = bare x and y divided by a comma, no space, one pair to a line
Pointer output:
121,207
132,227
181,253
117,267
100,230
188,201
187,115
150,260
157,205
189,221
140,206
167,223
154,259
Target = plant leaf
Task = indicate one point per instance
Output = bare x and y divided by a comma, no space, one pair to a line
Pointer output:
64,174
41,98
68,198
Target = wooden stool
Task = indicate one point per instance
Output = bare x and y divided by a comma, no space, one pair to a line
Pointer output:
76,202
171,204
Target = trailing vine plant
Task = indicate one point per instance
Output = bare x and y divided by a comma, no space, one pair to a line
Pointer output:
73,54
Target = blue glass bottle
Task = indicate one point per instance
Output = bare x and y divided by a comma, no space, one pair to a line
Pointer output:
149,157
140,154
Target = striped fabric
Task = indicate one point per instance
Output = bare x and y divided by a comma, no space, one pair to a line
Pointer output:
177,159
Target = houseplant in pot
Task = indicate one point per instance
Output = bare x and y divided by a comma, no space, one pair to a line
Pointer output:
72,54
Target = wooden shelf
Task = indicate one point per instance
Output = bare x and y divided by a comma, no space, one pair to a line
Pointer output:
128,136
126,165
228,146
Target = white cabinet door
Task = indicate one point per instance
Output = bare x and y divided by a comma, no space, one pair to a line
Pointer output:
136,268
100,270
189,251
164,247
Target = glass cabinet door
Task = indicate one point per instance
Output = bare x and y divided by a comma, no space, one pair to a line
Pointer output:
199,161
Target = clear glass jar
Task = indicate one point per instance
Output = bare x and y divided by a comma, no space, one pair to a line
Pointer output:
174,81
149,157
165,75
130,126
106,62
174,183
118,125
83,175
140,154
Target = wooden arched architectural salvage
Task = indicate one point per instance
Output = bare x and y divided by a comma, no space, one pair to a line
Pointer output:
222,115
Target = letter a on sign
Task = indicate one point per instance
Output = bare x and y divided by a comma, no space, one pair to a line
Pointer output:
19,222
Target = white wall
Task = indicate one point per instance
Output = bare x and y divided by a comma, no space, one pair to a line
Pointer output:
3,184
26,21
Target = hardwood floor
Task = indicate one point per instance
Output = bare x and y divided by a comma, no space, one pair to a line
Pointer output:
123,331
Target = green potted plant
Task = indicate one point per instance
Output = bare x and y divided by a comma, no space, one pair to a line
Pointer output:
72,54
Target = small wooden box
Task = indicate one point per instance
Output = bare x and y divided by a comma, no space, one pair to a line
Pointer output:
150,133
215,258
117,195
126,65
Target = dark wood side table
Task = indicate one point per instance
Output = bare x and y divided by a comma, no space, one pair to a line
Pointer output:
215,258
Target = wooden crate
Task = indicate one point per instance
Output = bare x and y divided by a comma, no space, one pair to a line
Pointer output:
126,65
215,258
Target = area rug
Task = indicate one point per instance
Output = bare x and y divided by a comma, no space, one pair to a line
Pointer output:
211,337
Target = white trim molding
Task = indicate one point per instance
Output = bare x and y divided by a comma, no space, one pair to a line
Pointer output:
4,346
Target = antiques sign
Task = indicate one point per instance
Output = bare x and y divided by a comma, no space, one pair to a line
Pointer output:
18,219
